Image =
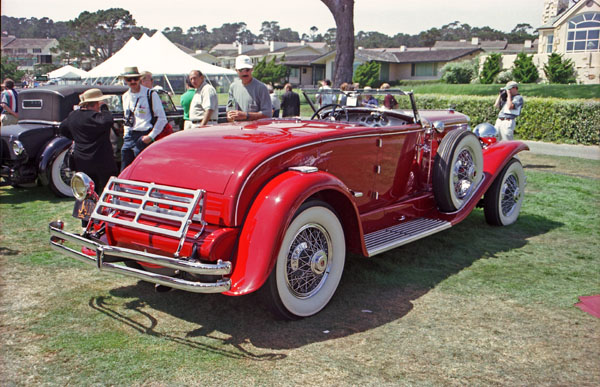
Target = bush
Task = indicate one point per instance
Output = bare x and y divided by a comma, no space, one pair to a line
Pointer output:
524,71
543,119
491,67
367,74
504,76
559,70
270,72
458,72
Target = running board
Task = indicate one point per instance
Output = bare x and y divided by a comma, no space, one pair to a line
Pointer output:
383,240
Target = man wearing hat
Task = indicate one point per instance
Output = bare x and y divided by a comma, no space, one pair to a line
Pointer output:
510,103
89,127
248,97
144,116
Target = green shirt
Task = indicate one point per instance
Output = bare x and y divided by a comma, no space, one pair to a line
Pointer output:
186,100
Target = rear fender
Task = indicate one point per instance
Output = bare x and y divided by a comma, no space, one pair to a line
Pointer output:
268,218
52,150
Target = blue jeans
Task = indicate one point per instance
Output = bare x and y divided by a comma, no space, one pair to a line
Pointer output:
132,146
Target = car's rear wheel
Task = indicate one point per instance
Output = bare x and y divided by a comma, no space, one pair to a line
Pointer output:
60,175
458,169
502,202
309,264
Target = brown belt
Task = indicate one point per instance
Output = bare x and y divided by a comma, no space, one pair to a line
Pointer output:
505,118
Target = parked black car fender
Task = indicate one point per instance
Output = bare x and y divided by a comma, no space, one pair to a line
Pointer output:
53,170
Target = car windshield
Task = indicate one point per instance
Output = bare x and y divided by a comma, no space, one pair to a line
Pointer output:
115,103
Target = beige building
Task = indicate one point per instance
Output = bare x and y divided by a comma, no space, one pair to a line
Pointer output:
573,30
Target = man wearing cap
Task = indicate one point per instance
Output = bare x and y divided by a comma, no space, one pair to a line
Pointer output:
510,103
204,108
89,127
144,116
248,97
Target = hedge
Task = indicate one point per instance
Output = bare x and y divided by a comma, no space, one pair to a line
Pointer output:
543,119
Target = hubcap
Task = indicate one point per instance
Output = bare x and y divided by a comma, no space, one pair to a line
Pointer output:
463,174
308,262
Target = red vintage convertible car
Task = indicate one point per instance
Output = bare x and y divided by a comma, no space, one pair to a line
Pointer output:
274,205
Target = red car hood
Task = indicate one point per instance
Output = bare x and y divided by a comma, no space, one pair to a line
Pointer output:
207,158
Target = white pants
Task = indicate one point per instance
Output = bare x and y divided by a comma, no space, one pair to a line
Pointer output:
506,128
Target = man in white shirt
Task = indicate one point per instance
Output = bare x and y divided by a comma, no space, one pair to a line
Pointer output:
325,95
204,108
144,116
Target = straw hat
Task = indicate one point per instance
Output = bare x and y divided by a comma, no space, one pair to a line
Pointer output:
131,72
92,95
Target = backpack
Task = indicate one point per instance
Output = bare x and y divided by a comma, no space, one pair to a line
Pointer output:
168,129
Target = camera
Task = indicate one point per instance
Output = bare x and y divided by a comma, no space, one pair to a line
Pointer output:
129,118
503,95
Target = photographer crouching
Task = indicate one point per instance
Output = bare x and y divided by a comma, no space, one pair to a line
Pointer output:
510,103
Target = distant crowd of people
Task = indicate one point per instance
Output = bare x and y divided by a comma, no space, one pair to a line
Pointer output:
249,99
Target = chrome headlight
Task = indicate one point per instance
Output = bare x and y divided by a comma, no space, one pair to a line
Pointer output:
17,147
485,129
82,186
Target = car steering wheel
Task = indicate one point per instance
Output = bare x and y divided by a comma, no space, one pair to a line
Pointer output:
333,114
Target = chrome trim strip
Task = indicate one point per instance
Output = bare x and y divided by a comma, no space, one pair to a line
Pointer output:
39,122
237,203
220,268
401,234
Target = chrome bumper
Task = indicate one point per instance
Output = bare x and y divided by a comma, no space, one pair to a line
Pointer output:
219,268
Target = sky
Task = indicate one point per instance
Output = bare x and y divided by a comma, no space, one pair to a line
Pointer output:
386,16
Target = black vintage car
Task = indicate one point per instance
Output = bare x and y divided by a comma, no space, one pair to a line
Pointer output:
33,151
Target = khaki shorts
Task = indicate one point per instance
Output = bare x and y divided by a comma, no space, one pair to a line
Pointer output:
9,119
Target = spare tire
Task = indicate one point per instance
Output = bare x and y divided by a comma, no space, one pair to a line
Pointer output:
457,170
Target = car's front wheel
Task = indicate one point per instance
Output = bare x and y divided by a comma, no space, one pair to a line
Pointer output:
502,202
60,175
309,264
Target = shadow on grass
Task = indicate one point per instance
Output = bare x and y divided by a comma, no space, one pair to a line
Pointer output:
16,195
373,291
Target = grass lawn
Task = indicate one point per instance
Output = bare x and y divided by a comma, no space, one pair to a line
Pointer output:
473,305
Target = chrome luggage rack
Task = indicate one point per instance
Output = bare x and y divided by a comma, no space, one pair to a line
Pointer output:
148,202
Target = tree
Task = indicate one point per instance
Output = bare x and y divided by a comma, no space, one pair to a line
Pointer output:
559,69
367,74
9,70
270,72
491,67
343,14
524,71
99,34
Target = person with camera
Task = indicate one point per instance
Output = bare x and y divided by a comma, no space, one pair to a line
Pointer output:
89,128
144,119
510,103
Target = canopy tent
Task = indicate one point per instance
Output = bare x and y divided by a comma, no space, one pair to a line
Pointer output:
159,56
67,72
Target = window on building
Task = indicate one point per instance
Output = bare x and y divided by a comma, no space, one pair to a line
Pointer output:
22,50
424,69
549,43
294,72
37,50
584,32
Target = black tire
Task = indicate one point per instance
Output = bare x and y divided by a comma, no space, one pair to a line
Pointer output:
60,176
457,170
309,264
502,202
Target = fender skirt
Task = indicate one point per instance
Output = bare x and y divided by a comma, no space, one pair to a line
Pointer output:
266,222
52,150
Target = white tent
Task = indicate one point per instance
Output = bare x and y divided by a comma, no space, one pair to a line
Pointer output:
67,72
157,55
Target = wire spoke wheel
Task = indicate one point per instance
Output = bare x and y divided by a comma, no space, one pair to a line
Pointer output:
309,264
502,202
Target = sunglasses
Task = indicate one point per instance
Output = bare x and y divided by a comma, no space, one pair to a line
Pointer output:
131,79
243,70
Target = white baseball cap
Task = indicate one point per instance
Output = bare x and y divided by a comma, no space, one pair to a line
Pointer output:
243,62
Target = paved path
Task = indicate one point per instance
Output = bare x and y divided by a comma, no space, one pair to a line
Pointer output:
591,152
